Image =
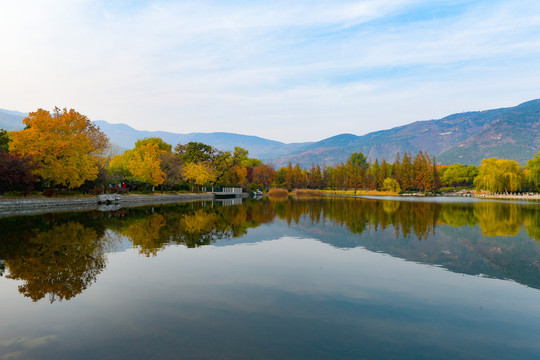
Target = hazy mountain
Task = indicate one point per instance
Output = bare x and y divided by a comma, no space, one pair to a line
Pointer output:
11,120
125,136
465,138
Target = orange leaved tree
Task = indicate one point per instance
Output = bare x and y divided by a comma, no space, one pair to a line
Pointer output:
62,144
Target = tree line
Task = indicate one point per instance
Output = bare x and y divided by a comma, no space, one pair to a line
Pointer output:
64,149
418,173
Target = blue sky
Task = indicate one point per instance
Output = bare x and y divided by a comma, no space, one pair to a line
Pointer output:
288,71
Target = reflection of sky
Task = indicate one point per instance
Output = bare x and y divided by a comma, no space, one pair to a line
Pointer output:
289,297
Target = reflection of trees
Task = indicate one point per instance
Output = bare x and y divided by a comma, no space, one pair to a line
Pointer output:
418,218
532,224
61,262
192,225
498,219
147,234
61,255
412,218
457,215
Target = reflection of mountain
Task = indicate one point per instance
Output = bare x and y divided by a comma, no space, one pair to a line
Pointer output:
60,255
476,238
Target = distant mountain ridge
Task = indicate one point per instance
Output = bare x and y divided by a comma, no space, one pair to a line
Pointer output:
466,138
125,136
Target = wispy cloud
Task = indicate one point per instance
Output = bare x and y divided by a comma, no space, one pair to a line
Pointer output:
293,72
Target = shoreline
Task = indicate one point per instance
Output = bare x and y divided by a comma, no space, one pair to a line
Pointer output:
34,206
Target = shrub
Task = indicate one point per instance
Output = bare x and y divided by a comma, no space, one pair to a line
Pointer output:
306,192
278,192
391,185
96,191
117,190
50,192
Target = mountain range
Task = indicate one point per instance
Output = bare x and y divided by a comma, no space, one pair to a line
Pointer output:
466,138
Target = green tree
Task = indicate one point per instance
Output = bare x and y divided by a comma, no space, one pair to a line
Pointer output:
4,141
391,184
533,168
459,175
498,175
195,152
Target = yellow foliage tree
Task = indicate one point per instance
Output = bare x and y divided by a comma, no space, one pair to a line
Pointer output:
498,175
199,173
65,144
145,163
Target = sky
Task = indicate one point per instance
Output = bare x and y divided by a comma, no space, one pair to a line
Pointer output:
291,71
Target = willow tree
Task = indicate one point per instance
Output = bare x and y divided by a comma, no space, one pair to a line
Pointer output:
533,168
498,175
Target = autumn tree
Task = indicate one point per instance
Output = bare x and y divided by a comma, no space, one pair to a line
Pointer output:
375,175
357,166
118,168
62,143
300,179
264,175
199,174
396,168
144,161
423,175
315,177
384,173
289,176
406,173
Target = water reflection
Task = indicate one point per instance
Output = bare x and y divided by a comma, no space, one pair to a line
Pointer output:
61,262
60,255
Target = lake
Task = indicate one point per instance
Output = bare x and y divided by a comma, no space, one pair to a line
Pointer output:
318,278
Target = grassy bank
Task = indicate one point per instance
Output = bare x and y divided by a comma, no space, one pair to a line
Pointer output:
358,192
277,192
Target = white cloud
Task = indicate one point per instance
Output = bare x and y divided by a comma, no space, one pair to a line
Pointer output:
289,72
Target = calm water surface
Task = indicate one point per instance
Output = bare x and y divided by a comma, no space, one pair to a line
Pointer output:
274,279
